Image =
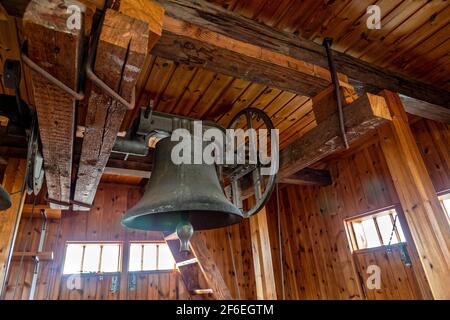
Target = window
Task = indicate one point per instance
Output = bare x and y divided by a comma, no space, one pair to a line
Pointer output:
150,256
374,230
92,258
445,201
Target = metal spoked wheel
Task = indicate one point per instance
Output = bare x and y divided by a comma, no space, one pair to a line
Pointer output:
254,171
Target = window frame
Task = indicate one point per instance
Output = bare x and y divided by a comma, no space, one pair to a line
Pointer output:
101,243
374,214
444,195
143,242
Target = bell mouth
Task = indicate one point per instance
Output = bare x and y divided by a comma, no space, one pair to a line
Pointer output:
168,221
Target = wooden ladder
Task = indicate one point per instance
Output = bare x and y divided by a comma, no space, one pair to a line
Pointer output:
198,270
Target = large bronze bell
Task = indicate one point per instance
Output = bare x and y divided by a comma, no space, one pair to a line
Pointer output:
5,199
181,194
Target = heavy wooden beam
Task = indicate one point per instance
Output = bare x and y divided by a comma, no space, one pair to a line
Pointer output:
207,35
10,219
121,53
309,176
29,210
425,109
362,116
57,49
424,214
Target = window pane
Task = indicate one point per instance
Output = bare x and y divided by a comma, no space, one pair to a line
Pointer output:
166,261
371,234
446,203
149,256
359,234
110,258
72,263
91,258
385,226
135,257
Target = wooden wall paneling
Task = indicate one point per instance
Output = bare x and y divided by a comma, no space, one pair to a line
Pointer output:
424,214
262,257
9,219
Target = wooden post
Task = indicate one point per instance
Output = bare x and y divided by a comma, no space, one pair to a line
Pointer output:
9,219
120,59
262,257
425,216
56,47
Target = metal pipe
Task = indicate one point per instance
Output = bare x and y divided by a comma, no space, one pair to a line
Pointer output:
334,77
90,74
30,63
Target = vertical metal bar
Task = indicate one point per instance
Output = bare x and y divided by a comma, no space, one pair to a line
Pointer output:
82,258
380,238
157,257
100,259
38,262
334,77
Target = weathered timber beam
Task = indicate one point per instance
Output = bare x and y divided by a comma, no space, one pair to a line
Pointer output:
363,115
121,53
425,109
29,210
309,176
208,24
57,49
196,46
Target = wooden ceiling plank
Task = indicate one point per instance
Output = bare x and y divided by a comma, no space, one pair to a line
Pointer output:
352,14
158,79
402,31
178,83
362,116
57,50
194,91
389,22
275,47
218,85
244,101
416,38
121,54
358,32
228,98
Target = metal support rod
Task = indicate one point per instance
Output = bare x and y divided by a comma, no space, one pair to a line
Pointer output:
334,77
37,261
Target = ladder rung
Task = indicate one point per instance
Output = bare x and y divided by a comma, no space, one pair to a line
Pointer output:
186,262
202,291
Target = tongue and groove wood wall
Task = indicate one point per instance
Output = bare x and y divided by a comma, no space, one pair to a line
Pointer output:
318,263
102,223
